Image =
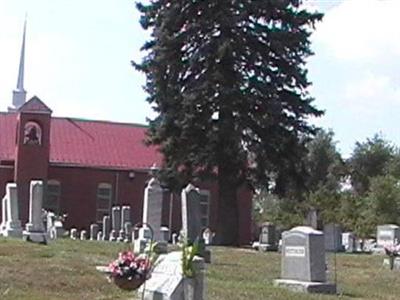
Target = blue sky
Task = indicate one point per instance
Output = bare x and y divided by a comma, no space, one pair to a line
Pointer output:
78,62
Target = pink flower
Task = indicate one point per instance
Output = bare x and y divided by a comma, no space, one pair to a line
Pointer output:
130,266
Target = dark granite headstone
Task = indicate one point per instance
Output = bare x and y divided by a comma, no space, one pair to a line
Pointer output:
268,237
191,213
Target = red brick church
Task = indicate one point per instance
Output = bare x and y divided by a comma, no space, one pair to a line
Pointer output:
89,166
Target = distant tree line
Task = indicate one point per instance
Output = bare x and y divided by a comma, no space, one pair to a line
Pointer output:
359,192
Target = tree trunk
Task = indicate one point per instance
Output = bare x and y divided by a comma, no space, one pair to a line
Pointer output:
228,152
228,217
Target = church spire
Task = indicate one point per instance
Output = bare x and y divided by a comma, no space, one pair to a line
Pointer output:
19,94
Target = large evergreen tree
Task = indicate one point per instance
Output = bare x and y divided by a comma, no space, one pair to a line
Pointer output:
228,81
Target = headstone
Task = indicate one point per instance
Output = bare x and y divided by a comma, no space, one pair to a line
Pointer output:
167,282
35,231
99,236
54,227
83,235
116,222
349,242
369,246
267,237
59,228
94,229
312,218
191,220
174,238
352,244
333,237
191,213
152,214
106,228
50,217
125,215
280,246
164,234
13,224
135,233
121,236
143,239
128,232
113,236
73,233
208,236
255,245
152,207
387,235
3,214
125,218
303,261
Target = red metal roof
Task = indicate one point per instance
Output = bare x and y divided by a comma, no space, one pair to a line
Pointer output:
87,143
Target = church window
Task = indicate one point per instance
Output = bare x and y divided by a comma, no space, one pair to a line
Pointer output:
104,197
205,208
52,200
32,134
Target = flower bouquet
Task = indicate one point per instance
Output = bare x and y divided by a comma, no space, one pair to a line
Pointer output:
188,254
129,271
189,251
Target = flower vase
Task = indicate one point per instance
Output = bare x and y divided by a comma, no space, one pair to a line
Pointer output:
188,288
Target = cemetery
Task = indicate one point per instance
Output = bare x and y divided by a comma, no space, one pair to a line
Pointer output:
308,265
67,271
230,191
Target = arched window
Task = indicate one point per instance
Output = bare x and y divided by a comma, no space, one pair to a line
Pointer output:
32,133
52,200
104,197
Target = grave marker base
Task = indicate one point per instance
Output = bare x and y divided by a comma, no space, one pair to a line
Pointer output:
12,232
306,287
267,247
36,237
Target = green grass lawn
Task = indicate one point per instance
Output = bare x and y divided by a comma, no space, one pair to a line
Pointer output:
65,269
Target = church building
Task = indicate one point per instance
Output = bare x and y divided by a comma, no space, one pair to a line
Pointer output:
89,166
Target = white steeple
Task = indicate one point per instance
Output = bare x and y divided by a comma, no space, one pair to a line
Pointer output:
19,94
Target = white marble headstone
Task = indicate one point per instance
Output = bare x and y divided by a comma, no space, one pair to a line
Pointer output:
35,231
3,214
106,228
167,281
94,229
13,225
152,207
388,234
